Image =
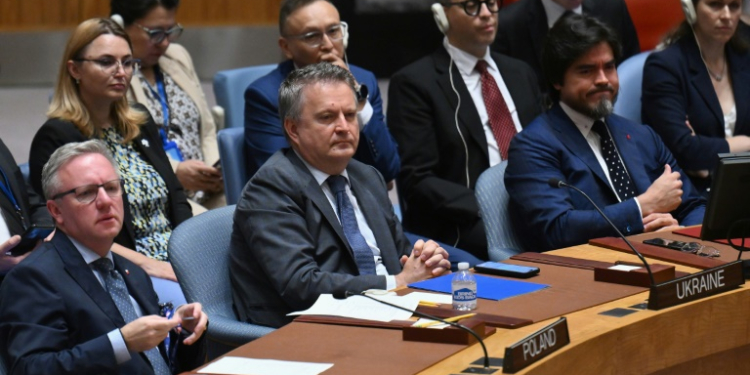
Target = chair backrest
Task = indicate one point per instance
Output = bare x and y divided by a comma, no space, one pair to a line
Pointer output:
630,73
229,89
502,242
232,153
199,251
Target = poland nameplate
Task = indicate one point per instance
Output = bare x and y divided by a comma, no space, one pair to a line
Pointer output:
536,346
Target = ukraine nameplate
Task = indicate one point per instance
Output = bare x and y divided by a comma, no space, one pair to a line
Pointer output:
696,286
536,346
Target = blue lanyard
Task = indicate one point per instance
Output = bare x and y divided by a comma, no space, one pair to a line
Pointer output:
5,187
170,147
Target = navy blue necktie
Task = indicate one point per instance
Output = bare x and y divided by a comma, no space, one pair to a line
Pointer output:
362,253
623,185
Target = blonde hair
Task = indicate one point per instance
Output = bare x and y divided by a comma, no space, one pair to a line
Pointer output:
66,102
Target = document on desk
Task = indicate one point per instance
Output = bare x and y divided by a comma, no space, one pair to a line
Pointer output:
359,307
252,366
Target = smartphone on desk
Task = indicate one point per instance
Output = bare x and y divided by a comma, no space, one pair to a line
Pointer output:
510,270
669,244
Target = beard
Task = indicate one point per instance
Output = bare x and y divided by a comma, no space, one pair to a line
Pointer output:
602,108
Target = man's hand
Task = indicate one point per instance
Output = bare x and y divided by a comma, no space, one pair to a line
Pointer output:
194,320
157,268
147,332
332,58
196,175
658,222
664,195
8,261
427,260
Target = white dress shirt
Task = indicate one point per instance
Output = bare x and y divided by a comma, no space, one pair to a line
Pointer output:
321,178
555,11
585,125
466,64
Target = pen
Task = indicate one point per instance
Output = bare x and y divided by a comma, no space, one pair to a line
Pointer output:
453,319
428,303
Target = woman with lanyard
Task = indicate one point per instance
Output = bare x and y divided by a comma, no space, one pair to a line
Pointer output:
89,102
169,87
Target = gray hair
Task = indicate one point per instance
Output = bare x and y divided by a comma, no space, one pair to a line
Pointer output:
290,92
65,154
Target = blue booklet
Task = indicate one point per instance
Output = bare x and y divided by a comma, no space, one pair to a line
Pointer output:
493,288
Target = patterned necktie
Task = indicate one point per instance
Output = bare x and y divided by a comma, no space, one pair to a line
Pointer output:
623,185
362,252
117,289
501,121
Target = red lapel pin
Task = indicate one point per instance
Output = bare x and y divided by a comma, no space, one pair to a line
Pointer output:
127,272
628,136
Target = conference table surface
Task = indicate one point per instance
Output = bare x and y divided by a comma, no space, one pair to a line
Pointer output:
707,336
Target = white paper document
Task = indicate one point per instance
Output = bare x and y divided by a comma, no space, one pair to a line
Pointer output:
443,299
624,267
252,366
360,307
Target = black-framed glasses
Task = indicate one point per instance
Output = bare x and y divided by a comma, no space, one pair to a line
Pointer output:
88,193
110,65
702,250
314,39
157,36
473,7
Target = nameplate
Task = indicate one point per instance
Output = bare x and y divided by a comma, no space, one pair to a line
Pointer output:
536,346
696,286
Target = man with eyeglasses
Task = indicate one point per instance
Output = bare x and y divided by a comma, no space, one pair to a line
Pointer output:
73,306
523,27
453,114
312,32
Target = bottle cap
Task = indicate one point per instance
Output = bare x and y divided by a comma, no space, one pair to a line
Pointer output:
463,266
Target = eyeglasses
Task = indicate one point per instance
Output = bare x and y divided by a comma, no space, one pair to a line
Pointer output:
473,7
157,36
88,193
111,65
314,39
702,250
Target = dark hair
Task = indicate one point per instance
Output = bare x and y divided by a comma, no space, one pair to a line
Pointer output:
290,6
290,92
737,42
132,10
570,38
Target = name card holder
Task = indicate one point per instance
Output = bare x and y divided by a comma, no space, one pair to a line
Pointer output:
449,335
696,286
634,277
536,346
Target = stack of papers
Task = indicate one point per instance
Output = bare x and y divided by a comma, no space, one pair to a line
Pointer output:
251,366
359,307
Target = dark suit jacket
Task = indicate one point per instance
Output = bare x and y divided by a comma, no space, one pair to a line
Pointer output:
676,87
288,247
437,203
264,131
55,133
553,147
55,315
522,30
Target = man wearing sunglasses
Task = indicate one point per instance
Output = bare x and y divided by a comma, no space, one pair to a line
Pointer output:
523,27
312,32
453,114
73,306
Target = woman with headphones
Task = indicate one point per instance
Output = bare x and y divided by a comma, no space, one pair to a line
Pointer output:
695,90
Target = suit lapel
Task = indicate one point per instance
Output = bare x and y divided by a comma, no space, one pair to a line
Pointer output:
82,274
136,288
467,113
630,154
701,81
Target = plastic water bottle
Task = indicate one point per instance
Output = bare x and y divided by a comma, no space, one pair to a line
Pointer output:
464,286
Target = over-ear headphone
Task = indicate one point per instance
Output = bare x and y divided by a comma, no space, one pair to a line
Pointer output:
440,18
345,33
689,9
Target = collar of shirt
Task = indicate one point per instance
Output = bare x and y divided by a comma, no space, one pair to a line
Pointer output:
319,175
555,11
583,123
89,256
466,62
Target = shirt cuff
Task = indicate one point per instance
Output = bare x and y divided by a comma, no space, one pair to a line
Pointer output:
390,282
365,115
640,212
118,345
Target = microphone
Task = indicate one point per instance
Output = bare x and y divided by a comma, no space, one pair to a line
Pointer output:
347,294
557,183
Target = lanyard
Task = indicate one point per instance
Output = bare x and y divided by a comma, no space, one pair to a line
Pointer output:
5,187
170,147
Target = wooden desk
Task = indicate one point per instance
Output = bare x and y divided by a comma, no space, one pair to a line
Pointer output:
706,336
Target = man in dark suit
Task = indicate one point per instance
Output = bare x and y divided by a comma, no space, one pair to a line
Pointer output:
20,208
73,306
450,119
523,27
313,220
623,166
312,32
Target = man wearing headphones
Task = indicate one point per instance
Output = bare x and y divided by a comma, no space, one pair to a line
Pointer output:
312,32
453,114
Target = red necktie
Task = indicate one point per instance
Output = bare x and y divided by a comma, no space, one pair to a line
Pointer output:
501,122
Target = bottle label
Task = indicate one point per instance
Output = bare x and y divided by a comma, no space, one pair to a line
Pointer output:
464,295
